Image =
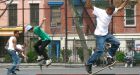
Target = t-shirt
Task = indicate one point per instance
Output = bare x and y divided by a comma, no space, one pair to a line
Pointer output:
103,21
39,32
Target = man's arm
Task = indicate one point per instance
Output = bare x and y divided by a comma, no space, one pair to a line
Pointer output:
123,5
42,22
89,4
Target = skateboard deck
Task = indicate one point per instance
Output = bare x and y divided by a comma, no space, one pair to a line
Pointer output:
108,66
43,63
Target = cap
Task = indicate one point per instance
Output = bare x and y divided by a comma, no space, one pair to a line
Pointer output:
28,27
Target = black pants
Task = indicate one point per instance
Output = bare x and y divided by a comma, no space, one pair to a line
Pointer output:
40,48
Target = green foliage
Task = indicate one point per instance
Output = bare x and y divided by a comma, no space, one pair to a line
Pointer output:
80,53
120,56
68,54
137,57
7,58
32,56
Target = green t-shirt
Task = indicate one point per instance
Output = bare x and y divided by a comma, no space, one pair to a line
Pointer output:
39,32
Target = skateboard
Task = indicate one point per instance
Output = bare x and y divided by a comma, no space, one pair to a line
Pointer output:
41,63
108,66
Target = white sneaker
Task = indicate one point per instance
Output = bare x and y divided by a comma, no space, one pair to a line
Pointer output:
126,65
48,62
39,58
131,65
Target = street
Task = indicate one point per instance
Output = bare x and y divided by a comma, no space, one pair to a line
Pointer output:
72,70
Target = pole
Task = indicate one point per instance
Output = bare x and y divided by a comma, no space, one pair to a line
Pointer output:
66,33
112,29
23,19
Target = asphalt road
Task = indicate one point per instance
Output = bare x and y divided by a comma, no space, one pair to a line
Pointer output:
70,70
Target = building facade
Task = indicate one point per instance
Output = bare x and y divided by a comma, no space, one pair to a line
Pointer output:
125,24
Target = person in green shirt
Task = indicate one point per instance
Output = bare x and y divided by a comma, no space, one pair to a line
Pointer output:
42,43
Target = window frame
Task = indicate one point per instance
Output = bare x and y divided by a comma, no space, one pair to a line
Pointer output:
130,25
54,17
12,11
33,20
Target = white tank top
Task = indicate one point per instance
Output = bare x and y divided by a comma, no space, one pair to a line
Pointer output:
11,45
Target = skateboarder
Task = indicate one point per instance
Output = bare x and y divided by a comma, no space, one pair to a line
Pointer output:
102,35
42,43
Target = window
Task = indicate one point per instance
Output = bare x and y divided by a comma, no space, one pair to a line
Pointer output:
12,15
34,14
55,16
129,13
101,3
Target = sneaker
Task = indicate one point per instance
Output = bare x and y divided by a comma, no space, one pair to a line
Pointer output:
40,58
17,69
126,65
8,71
48,62
131,65
13,73
88,68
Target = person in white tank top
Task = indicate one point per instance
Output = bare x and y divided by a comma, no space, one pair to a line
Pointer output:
12,52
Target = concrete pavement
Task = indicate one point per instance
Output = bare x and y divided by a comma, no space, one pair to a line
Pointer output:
68,69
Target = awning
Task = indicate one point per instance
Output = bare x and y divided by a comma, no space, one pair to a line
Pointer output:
9,31
55,3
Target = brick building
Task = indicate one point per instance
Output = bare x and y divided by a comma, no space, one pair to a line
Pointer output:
125,25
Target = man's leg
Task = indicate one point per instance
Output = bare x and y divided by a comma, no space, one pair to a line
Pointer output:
42,49
114,44
15,59
17,68
44,53
36,46
100,41
114,47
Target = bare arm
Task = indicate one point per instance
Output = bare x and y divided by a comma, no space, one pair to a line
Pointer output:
42,22
23,54
123,5
89,4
